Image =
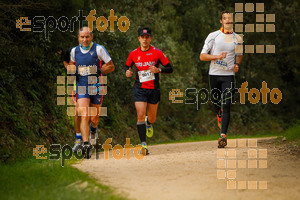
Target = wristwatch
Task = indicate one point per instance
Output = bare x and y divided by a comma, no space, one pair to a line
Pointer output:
237,64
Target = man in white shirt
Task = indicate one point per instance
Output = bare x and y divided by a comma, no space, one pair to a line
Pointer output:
220,49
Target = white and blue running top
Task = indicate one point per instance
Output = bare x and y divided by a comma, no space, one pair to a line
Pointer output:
218,42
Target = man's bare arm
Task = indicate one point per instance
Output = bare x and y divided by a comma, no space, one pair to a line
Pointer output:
238,59
71,67
208,57
108,67
66,64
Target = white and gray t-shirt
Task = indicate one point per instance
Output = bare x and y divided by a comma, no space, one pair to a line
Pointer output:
218,42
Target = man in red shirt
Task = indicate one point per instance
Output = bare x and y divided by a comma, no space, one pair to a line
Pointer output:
146,92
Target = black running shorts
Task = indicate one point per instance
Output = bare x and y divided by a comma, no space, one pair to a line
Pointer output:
146,95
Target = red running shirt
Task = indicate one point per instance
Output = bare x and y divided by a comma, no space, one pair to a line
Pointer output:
142,60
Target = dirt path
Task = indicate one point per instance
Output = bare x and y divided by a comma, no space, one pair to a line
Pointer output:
186,171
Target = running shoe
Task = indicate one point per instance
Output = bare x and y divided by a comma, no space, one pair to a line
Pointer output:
87,151
77,145
149,129
144,149
93,136
222,142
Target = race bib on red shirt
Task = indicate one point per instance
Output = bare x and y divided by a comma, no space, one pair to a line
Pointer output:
146,75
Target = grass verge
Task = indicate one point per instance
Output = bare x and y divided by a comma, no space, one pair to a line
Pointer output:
46,179
293,134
